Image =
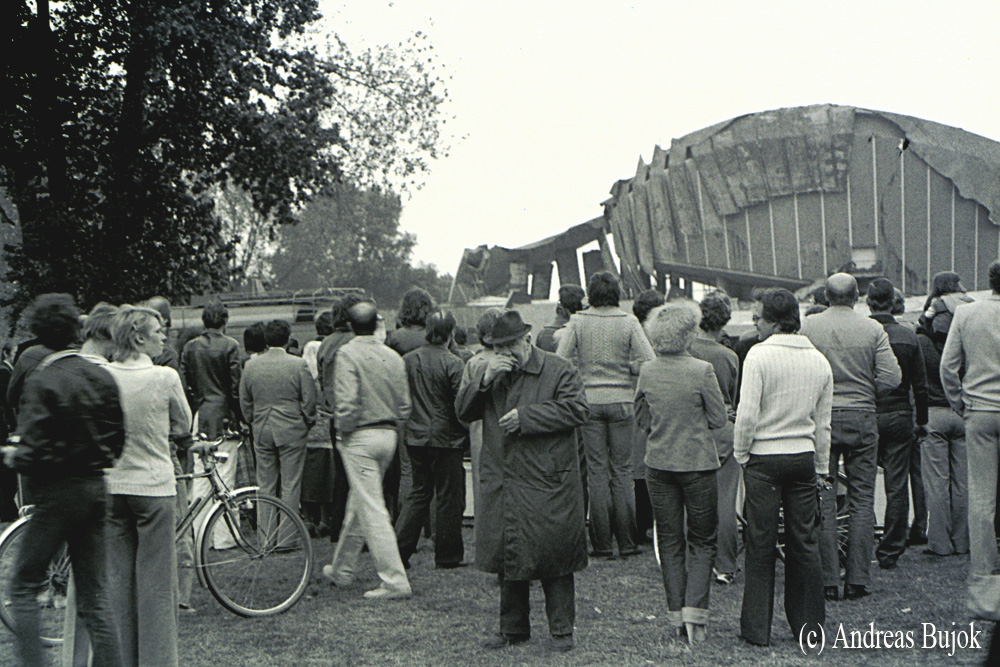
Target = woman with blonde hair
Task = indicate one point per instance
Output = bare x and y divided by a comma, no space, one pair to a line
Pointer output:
677,401
141,555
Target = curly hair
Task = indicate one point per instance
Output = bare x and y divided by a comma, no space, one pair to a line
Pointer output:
716,311
571,298
672,328
645,302
782,308
603,290
484,327
55,320
414,308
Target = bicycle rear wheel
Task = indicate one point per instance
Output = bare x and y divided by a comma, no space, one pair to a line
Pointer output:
268,569
51,598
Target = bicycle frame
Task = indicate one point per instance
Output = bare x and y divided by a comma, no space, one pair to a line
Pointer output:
219,495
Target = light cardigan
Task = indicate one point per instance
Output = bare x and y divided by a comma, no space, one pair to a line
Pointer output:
608,346
155,408
786,398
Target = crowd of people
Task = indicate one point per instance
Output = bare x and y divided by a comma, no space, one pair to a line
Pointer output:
647,423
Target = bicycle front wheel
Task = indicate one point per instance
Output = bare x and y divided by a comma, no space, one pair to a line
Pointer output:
256,555
51,597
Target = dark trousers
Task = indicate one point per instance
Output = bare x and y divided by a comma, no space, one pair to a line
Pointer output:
895,445
692,498
854,437
340,489
918,530
515,607
8,490
773,482
437,474
643,511
71,511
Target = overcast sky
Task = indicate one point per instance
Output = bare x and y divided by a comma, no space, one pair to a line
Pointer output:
558,99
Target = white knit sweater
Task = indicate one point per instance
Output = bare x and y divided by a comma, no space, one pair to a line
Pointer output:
786,396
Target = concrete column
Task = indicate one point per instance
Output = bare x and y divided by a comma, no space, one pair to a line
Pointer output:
569,266
541,281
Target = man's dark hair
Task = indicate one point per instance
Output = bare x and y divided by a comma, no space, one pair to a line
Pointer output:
819,297
898,302
994,274
461,338
339,310
414,308
363,317
603,290
880,295
439,327
484,326
55,321
780,307
716,311
571,298
253,338
215,315
645,302
324,323
277,333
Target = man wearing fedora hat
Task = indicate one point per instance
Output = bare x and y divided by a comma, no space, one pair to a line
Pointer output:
530,521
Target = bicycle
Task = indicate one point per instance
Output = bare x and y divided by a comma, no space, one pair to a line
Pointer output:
264,570
253,551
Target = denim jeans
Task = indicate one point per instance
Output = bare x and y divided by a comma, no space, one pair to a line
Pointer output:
367,455
677,496
142,563
437,474
854,436
945,469
895,444
607,441
773,482
727,477
560,605
71,511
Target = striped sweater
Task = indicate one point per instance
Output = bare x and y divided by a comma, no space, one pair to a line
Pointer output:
786,398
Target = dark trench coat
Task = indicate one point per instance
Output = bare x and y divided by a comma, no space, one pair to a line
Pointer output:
530,521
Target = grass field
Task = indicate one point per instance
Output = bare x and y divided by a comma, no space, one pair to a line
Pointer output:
620,621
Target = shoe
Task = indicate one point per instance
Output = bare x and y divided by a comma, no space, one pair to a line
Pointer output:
383,593
831,593
931,552
696,633
752,642
630,553
602,554
855,592
501,640
723,578
450,566
186,609
917,540
887,564
330,575
562,643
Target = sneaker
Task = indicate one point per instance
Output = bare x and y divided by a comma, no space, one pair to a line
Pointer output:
330,575
723,578
186,609
450,566
562,643
383,593
501,640
629,553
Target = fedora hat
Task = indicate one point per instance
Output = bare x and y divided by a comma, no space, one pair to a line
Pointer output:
507,327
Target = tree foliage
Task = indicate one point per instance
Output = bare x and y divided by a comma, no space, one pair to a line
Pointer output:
352,239
123,119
